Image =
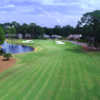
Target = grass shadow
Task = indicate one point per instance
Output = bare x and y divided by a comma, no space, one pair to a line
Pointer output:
76,50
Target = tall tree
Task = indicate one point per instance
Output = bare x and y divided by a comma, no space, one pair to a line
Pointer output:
67,30
31,29
57,30
2,35
92,21
24,29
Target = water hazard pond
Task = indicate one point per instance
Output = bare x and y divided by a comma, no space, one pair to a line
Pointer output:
14,49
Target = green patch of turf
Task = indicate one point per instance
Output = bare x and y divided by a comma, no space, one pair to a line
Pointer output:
53,72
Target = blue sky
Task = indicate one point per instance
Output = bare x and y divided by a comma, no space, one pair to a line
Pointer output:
46,12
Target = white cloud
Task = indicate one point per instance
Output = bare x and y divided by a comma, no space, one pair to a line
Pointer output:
89,5
8,6
56,2
69,12
11,5
59,18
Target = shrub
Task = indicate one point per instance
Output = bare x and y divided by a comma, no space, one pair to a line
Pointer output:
2,35
7,56
1,52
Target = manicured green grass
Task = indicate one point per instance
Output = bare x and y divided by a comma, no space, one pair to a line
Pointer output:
52,72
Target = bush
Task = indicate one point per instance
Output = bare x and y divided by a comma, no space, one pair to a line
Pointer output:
82,40
2,35
7,56
1,52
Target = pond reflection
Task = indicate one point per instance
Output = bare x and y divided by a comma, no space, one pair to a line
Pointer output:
12,48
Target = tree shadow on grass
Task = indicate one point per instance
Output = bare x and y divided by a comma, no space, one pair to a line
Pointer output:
4,59
76,50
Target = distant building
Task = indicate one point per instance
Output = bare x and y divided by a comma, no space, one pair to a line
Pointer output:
11,35
7,35
27,35
19,36
52,36
46,36
56,36
74,37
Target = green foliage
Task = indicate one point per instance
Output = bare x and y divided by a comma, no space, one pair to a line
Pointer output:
2,35
7,56
1,51
67,30
90,25
36,31
57,30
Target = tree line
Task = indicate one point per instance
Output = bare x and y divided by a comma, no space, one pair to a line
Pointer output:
88,26
36,31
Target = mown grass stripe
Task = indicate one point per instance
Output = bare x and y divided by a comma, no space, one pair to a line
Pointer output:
49,77
72,74
12,76
82,91
18,78
36,82
62,87
21,82
89,83
31,82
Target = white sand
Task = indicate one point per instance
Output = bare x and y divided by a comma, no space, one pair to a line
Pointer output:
59,42
28,41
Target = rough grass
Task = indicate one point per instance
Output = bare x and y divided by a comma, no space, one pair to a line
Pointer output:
52,72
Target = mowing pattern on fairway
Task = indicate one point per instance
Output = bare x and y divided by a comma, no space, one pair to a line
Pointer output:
54,72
